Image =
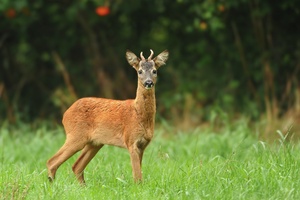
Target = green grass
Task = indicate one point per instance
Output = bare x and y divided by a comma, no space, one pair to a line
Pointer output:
199,164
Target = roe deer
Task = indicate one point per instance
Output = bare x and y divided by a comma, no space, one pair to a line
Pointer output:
91,122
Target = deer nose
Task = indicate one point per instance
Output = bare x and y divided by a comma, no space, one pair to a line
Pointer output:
148,84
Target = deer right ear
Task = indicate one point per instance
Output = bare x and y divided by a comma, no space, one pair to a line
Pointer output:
132,59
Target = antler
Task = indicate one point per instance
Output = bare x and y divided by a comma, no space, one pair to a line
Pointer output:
142,57
150,57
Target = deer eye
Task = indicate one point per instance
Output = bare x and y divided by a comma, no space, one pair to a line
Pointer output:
140,71
154,71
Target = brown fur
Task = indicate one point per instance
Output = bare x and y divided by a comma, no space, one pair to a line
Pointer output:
91,123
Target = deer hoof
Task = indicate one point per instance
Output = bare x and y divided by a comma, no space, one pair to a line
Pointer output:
50,179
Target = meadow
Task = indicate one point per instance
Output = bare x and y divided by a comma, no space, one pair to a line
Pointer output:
203,163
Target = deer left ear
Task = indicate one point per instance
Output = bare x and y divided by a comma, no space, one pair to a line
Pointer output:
132,59
161,58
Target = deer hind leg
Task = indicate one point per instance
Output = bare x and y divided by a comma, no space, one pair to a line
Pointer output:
70,147
87,154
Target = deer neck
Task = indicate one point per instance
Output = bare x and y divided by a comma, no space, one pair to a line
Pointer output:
145,104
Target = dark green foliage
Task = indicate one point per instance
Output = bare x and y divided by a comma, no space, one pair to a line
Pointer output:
240,55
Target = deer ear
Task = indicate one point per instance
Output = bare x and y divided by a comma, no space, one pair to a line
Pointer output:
161,58
132,59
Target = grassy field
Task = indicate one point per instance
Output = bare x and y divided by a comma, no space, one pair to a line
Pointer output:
200,164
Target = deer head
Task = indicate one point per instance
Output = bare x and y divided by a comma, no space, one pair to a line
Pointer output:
147,68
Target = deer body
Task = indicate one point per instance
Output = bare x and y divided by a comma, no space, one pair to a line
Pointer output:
91,122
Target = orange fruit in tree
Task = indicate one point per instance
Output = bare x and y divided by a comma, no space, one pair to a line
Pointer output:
221,8
10,13
203,25
102,10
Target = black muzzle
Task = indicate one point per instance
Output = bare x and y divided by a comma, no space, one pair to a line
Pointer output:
148,84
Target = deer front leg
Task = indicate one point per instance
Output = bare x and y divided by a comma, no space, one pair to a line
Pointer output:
136,156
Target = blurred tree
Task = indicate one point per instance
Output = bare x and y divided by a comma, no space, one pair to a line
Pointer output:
240,55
